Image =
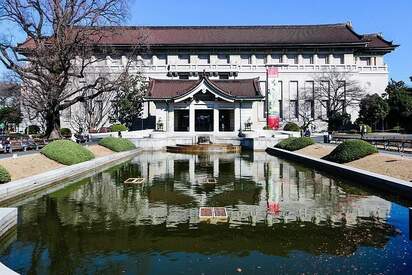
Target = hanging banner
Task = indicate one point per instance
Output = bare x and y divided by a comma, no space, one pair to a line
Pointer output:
273,97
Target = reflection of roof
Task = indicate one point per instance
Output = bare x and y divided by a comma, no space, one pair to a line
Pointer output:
227,36
233,88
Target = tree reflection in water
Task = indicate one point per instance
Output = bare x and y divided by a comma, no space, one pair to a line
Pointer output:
274,208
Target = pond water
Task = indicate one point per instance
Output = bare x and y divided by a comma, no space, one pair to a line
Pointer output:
283,218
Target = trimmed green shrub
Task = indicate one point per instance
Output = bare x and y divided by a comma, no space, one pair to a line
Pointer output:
350,150
295,143
291,126
117,144
32,130
118,127
4,175
66,152
66,132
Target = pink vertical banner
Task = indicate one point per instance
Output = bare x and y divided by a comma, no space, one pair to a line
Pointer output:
273,97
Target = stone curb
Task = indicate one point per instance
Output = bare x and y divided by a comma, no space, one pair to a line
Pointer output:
386,183
19,188
8,220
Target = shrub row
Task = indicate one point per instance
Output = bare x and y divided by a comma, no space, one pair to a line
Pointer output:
4,175
67,152
350,150
291,126
117,144
295,143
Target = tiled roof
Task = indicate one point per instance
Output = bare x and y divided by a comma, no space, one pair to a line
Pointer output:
201,36
233,88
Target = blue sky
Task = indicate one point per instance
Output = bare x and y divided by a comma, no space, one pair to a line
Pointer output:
391,18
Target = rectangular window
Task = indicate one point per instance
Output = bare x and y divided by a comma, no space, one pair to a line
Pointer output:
325,108
281,109
162,59
293,108
223,59
374,61
245,59
292,59
204,59
276,58
365,61
260,59
339,58
184,59
307,59
323,59
293,90
309,108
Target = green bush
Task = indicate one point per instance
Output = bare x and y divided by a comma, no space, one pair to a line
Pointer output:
118,127
295,143
32,130
66,132
350,150
117,144
4,175
66,152
290,126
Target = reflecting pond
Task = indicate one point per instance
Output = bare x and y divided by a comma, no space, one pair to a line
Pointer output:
283,218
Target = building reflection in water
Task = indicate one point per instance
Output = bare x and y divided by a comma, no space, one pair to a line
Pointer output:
274,207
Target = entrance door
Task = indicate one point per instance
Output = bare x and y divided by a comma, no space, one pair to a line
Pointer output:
203,120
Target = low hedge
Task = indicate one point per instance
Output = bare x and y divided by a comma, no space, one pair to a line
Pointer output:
351,150
290,126
117,144
66,132
4,175
295,143
66,152
118,128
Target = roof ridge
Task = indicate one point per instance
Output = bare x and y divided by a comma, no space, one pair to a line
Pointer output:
216,26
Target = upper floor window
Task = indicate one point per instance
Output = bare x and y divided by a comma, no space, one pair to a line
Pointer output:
339,58
184,58
204,59
293,58
365,61
307,58
323,59
223,59
277,58
245,59
261,59
161,59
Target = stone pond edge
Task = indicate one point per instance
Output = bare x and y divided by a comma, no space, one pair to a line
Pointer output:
20,188
370,179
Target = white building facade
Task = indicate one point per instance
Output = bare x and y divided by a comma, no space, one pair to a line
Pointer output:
205,68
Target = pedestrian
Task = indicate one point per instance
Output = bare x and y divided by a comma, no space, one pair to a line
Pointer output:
119,134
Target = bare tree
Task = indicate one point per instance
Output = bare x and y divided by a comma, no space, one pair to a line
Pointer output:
335,91
92,114
54,62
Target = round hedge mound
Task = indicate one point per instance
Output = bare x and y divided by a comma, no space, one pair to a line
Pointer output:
117,144
66,152
118,128
351,150
295,143
4,175
290,126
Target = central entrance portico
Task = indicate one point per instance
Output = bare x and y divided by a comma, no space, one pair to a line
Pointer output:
204,105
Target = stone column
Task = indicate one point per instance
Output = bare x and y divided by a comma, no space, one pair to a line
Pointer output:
191,118
215,119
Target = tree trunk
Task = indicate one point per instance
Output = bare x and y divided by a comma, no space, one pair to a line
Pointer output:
53,125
